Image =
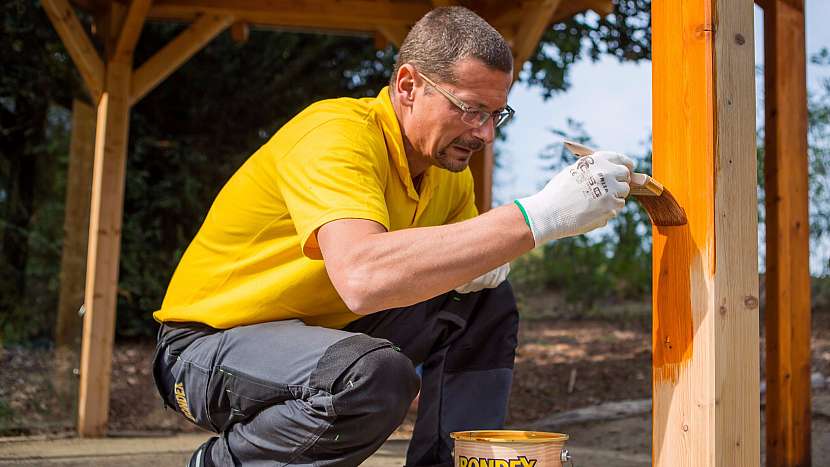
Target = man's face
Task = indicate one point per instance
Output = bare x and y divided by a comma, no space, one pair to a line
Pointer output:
438,130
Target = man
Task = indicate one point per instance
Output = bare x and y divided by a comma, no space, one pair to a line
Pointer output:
348,249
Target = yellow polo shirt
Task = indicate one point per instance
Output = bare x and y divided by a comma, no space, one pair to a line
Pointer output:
256,257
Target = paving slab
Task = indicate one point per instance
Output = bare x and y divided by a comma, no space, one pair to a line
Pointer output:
173,451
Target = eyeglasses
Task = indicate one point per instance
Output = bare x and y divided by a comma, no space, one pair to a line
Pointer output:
470,115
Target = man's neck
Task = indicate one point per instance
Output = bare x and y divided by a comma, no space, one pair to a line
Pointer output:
418,163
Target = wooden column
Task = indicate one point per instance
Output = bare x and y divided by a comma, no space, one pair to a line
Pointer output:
481,165
787,236
104,248
705,336
75,224
73,257
123,28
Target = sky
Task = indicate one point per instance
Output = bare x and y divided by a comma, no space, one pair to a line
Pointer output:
613,101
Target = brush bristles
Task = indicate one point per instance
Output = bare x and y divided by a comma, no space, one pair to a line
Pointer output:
663,210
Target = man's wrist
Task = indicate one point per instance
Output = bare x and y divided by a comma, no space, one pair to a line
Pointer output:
524,214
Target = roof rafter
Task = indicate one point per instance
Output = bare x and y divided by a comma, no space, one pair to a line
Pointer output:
530,30
78,44
175,53
133,23
354,15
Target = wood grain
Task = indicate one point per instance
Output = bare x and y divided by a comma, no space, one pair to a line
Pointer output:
706,375
104,248
77,43
787,237
175,53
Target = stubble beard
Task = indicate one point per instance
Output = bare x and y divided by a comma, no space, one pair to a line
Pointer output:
445,161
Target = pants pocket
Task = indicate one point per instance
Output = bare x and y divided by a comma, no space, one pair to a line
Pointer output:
236,396
187,394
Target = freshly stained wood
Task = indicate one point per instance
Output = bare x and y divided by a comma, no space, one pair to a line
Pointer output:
705,337
77,43
174,54
787,236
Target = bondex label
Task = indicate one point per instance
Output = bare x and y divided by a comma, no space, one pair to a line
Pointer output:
520,461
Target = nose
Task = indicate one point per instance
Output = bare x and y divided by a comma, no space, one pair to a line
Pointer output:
486,132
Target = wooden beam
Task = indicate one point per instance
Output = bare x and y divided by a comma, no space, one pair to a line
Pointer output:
240,32
705,323
380,41
394,34
568,9
356,15
535,21
787,236
103,250
481,165
505,16
77,44
174,54
131,28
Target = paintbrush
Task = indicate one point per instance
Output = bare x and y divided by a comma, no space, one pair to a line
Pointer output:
658,202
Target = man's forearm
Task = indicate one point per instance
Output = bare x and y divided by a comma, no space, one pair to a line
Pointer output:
403,267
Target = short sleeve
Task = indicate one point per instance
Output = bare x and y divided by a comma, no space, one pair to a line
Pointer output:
336,171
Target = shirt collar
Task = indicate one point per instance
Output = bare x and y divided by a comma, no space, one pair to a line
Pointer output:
394,143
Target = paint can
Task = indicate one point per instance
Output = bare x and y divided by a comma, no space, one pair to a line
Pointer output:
508,448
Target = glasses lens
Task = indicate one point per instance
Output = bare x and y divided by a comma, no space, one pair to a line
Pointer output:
472,118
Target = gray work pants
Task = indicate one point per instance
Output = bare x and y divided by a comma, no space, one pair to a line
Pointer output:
283,393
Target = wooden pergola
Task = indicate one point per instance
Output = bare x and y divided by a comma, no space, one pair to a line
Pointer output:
706,301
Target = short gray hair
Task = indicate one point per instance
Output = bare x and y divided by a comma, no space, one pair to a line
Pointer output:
448,34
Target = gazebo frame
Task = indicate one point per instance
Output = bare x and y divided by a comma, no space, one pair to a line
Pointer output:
706,301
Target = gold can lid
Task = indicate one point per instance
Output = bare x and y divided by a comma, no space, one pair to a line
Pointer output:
509,436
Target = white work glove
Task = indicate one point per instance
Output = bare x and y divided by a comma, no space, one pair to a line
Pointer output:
580,198
487,280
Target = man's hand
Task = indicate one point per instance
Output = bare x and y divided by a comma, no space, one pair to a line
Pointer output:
487,280
580,198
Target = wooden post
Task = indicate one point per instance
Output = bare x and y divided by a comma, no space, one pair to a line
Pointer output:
104,248
787,235
481,165
75,224
705,336
107,200
73,257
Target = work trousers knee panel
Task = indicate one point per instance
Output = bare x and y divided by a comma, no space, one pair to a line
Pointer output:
370,400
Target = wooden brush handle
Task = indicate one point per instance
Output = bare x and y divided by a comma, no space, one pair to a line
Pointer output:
641,184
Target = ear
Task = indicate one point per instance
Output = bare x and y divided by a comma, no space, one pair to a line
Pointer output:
406,83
